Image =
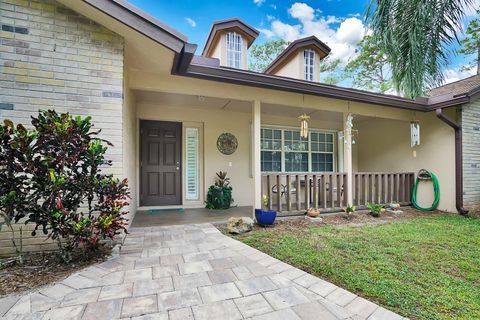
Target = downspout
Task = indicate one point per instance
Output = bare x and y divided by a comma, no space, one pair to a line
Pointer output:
458,161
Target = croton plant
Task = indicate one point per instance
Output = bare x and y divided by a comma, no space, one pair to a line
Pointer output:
52,175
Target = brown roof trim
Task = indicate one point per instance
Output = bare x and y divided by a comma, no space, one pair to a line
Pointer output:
228,24
140,21
293,47
255,79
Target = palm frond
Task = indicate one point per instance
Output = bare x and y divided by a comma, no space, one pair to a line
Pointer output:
416,36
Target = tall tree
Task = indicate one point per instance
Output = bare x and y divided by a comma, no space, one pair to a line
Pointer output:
416,35
262,54
471,43
330,71
369,69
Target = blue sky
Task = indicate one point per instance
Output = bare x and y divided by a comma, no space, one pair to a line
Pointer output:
339,23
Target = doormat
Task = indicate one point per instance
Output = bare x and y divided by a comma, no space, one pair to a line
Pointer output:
166,210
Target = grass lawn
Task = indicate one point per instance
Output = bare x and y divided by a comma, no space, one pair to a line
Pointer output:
423,268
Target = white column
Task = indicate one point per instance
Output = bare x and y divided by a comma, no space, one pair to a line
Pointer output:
256,152
347,158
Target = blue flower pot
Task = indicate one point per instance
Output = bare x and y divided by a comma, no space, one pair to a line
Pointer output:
265,217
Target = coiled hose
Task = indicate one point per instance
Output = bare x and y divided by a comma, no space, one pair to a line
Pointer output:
426,175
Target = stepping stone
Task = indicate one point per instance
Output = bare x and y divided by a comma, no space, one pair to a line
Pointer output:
181,314
253,305
146,287
70,313
313,311
103,310
222,276
219,292
285,314
139,306
179,299
255,285
116,291
191,281
221,310
285,297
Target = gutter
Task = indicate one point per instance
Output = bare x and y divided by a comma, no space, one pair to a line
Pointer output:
458,160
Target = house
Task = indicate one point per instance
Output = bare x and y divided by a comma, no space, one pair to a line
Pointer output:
166,105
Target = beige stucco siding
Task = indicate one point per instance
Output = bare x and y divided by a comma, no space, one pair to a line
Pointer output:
214,123
384,145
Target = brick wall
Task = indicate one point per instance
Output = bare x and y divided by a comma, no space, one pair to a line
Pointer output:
470,119
52,56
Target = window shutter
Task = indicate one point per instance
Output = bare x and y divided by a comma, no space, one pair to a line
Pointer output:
192,183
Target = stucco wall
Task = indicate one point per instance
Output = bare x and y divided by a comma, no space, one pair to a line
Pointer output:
470,121
214,123
384,145
51,57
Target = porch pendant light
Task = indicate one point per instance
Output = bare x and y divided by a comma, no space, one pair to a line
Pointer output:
304,125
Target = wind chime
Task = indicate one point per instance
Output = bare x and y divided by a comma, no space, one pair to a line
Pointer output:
349,130
414,135
304,125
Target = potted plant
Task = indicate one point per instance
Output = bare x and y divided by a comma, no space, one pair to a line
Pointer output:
219,195
375,209
265,217
313,213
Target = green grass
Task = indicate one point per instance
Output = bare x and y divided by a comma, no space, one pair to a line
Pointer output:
424,268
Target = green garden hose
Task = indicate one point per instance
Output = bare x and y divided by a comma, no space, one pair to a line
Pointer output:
426,175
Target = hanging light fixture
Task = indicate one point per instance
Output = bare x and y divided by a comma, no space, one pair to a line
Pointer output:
304,125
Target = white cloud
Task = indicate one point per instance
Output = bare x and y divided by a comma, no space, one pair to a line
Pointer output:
302,11
351,31
191,22
270,17
452,75
341,39
258,2
273,6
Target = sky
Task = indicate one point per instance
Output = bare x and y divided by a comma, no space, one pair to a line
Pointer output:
338,23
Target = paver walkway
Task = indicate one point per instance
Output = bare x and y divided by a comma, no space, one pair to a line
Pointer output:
190,272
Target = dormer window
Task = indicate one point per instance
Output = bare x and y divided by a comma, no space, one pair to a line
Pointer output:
309,64
234,50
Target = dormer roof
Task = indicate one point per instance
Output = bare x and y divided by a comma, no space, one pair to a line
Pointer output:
308,42
234,24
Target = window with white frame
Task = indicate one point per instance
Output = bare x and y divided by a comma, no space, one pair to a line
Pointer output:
191,164
284,150
234,50
309,64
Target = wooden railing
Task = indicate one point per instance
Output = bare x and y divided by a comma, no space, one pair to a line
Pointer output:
292,192
382,187
298,191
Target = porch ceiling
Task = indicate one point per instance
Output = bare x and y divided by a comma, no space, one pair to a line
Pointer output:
192,101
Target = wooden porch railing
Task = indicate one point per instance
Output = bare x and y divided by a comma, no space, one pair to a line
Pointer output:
291,192
298,191
382,187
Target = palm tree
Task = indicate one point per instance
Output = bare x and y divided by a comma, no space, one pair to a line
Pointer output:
416,36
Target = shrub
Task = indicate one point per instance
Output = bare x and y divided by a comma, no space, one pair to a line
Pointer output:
219,196
375,209
67,196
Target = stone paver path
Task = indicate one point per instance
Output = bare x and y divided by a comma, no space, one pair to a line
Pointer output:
190,272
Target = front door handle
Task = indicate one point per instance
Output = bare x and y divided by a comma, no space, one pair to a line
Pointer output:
177,168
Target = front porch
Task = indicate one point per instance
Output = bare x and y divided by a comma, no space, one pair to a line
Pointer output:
329,169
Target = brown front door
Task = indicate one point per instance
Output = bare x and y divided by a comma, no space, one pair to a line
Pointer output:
160,163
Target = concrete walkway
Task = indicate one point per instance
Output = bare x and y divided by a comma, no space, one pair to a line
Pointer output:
190,272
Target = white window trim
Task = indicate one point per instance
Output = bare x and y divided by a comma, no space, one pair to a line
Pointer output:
231,62
334,133
306,74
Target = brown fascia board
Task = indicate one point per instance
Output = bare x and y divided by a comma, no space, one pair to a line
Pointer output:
141,22
293,47
250,78
228,24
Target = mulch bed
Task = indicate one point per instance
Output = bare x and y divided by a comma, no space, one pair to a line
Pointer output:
41,269
298,224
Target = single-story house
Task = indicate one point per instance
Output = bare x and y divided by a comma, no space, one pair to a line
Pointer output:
177,115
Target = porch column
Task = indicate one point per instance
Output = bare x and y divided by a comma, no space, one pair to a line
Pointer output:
256,152
347,156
